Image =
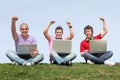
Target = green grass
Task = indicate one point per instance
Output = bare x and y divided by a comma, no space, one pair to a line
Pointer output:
78,71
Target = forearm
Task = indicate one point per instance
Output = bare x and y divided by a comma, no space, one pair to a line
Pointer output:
105,29
13,27
71,33
46,29
13,30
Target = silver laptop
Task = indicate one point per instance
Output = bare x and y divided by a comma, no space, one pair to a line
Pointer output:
98,46
62,46
26,49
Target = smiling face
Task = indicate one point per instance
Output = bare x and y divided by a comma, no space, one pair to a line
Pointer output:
24,30
88,31
59,32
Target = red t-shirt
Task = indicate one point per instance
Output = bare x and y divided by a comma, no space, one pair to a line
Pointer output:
85,45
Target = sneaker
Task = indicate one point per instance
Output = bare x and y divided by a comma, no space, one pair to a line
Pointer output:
53,62
32,63
24,63
69,63
109,63
14,63
29,63
89,62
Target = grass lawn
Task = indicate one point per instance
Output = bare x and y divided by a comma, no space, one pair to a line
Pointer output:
78,71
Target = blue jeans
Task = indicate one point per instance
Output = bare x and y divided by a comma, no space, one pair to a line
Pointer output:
54,56
96,59
14,57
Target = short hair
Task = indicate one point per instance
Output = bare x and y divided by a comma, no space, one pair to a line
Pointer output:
23,24
88,27
58,28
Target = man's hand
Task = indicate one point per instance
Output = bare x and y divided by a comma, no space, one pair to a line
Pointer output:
82,54
14,18
34,53
68,23
52,22
102,18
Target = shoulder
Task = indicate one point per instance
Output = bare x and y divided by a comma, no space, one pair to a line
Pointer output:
98,36
19,37
51,38
65,38
83,41
31,37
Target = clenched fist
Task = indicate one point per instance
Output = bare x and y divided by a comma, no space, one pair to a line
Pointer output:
14,18
102,18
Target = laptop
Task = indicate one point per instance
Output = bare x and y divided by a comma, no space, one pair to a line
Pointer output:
62,46
25,49
98,46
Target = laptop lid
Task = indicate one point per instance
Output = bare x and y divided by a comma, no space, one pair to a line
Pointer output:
62,46
26,49
98,46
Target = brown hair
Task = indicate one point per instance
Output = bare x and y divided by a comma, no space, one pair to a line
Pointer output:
88,27
58,28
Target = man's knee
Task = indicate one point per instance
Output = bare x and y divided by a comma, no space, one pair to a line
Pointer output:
110,52
8,53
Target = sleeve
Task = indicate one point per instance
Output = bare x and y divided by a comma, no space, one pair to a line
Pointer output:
98,36
81,47
50,39
34,41
16,41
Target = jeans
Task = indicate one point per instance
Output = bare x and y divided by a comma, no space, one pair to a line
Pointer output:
14,57
96,59
54,56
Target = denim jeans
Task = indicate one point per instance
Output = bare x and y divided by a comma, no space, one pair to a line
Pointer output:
96,59
54,56
12,55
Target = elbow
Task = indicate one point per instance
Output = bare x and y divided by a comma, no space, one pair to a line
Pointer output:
72,36
106,31
44,31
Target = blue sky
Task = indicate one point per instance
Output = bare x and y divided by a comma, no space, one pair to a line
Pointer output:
37,14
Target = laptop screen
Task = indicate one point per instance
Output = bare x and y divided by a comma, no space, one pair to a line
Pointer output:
62,46
26,49
98,46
